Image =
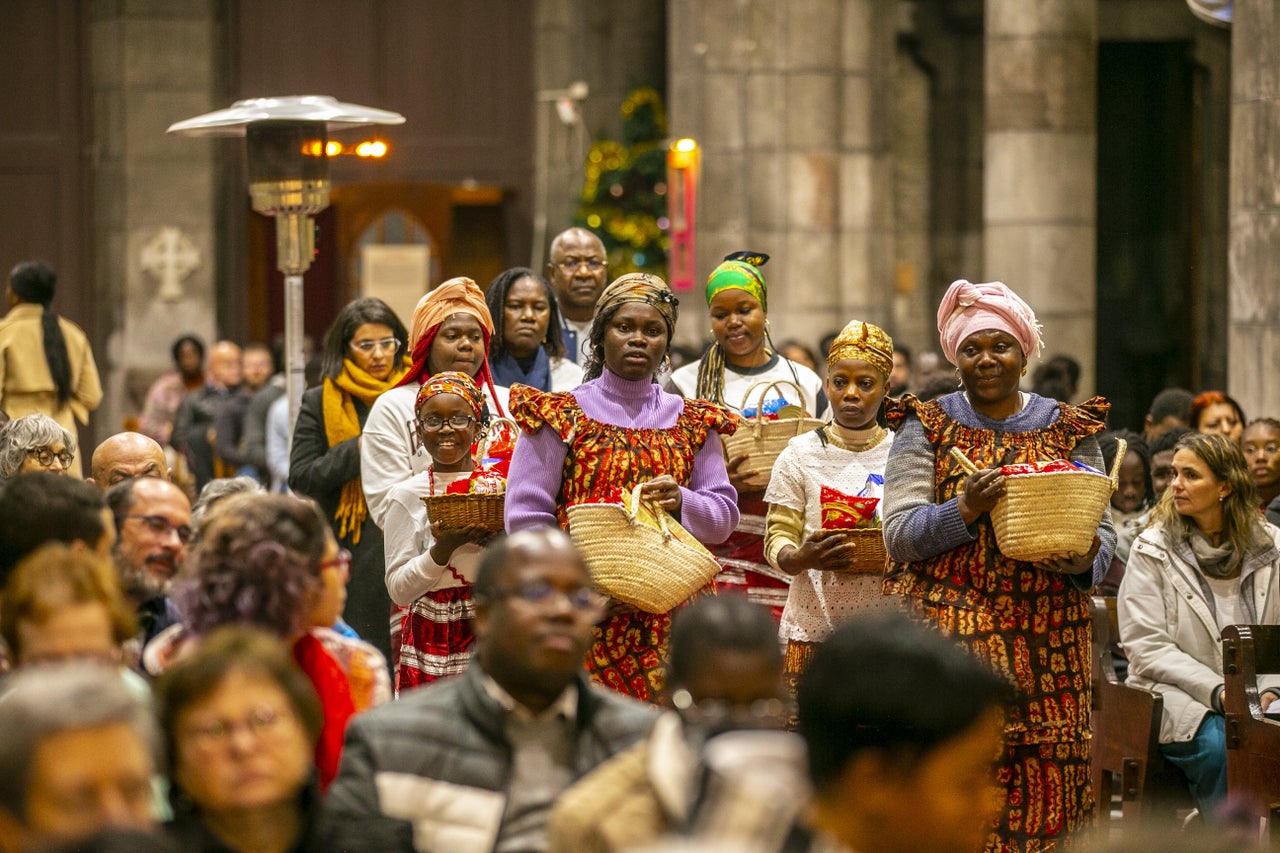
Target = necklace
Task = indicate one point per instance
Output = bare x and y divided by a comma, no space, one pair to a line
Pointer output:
873,438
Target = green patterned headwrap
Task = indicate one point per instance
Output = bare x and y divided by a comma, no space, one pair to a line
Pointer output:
736,275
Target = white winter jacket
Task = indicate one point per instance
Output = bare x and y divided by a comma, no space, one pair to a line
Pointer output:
1168,629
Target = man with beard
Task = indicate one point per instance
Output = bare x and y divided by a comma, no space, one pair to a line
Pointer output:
153,524
578,269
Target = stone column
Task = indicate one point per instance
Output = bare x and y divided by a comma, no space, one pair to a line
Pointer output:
791,103
1039,205
156,202
1254,202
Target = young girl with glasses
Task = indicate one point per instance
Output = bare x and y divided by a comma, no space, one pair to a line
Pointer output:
430,571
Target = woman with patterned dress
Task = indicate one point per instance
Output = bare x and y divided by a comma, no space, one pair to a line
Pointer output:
431,572
615,431
1030,622
742,355
842,455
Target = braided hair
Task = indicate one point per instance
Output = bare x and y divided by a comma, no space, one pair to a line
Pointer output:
35,282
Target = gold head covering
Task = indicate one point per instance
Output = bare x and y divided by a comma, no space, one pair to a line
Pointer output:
863,341
456,296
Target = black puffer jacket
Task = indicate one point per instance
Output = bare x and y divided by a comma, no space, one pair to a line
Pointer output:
436,761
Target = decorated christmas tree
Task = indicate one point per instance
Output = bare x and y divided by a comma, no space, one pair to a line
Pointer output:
624,196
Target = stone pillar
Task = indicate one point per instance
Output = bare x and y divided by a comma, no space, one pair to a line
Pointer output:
1039,198
1254,202
156,203
792,105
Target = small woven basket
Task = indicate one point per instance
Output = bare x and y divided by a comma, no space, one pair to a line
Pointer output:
450,512
1051,514
638,554
868,554
762,439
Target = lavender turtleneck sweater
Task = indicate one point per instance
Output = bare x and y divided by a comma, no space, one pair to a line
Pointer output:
709,507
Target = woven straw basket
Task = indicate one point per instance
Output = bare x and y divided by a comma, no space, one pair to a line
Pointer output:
1052,514
638,554
762,439
869,556
455,511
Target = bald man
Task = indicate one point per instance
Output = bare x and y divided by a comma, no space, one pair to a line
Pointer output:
578,270
193,425
125,455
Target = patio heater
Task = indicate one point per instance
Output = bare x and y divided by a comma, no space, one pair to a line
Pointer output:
288,152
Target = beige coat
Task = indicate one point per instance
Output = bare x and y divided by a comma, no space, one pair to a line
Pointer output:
26,386
1168,630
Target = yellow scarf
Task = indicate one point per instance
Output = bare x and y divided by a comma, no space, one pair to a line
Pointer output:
341,423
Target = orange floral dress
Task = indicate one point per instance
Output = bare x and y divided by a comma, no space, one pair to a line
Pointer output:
630,645
1031,625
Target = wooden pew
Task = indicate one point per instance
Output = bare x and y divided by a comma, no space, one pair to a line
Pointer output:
1253,740
1126,736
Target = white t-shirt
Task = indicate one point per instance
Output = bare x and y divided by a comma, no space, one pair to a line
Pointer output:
738,381
821,600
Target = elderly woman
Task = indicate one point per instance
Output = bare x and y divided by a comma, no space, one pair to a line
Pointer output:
35,443
1031,622
741,355
527,345
615,431
1207,560
271,561
241,723
46,364
364,357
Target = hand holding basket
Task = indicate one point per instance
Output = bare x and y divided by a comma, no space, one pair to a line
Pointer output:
453,512
1049,514
639,554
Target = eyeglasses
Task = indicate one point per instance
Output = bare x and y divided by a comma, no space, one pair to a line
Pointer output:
569,265
45,456
161,526
260,723
340,561
718,715
435,423
584,599
383,345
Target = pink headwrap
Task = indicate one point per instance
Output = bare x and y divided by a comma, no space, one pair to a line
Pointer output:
967,308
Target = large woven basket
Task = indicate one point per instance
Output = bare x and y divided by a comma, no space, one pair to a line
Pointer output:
1052,514
868,555
451,512
762,439
639,554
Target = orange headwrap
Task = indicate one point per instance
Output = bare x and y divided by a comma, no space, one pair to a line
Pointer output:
456,296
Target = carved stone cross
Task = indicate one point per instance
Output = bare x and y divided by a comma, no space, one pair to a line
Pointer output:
170,256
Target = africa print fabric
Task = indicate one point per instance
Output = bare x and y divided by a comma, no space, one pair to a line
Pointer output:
1030,625
629,644
436,637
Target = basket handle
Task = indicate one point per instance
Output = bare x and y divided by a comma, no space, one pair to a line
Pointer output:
964,461
482,446
764,385
1122,447
633,512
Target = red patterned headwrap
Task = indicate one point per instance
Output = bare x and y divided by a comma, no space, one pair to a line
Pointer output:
452,382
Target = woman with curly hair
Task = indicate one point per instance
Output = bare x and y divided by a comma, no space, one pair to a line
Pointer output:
35,443
270,561
615,431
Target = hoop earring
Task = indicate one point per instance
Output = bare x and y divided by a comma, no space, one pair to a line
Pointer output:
959,381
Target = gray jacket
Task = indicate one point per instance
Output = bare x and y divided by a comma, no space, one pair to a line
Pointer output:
1169,632
429,771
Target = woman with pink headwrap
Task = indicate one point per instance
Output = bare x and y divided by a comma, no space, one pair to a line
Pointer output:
1031,622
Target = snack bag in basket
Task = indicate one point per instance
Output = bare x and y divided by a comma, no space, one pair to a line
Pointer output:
846,512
